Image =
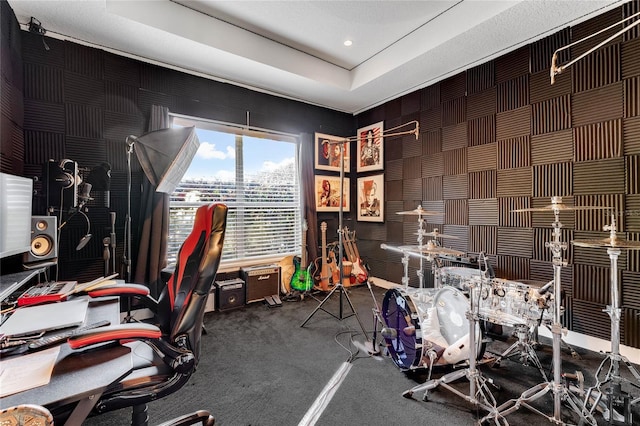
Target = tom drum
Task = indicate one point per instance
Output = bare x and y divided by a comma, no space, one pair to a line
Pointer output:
510,303
458,277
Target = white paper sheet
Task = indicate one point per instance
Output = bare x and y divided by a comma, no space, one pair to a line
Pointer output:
24,372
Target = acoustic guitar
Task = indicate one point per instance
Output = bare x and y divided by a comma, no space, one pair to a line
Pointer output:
322,273
301,279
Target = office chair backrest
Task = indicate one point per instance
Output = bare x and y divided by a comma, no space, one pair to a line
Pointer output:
185,296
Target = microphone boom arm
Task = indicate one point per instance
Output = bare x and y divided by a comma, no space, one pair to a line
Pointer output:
555,70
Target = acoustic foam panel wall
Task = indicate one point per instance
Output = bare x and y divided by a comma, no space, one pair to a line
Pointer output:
481,130
483,211
551,115
482,157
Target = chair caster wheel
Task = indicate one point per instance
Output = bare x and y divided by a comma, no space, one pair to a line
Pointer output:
408,394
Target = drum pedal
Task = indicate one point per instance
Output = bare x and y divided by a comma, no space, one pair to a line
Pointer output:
273,301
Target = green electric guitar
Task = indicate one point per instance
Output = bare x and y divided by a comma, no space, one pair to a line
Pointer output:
302,279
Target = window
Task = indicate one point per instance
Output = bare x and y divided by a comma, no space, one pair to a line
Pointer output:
255,173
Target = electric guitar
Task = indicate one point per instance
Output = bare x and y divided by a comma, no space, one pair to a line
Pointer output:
359,268
321,273
301,279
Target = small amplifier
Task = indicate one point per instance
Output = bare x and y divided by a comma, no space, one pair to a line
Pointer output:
230,294
261,282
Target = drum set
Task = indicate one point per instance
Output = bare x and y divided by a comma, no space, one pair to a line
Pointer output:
427,327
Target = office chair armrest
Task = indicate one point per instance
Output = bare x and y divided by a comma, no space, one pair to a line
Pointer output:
180,358
120,289
138,291
199,417
128,331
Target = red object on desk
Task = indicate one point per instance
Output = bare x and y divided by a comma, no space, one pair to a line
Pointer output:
46,293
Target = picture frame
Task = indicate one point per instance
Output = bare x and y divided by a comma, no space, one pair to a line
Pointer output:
370,143
327,153
327,190
371,198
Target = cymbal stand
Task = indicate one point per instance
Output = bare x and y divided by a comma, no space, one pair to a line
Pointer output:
420,245
406,254
479,393
615,396
405,266
557,387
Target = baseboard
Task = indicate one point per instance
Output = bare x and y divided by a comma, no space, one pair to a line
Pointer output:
572,338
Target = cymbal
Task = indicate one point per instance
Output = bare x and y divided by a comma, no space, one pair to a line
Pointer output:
420,212
607,243
436,234
429,249
557,204
560,207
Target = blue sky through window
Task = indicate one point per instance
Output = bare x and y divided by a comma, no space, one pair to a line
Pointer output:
216,157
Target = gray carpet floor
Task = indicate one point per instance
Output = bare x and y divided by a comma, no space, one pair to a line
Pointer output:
260,367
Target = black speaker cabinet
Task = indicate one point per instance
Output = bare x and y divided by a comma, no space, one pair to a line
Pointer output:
261,281
44,244
230,294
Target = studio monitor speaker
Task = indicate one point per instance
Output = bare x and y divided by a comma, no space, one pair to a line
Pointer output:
230,294
44,243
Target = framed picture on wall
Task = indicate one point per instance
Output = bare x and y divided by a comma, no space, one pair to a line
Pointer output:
328,153
371,198
370,155
327,189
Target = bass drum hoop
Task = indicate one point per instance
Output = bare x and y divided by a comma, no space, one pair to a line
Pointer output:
407,349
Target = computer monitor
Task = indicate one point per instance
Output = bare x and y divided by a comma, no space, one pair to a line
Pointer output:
15,214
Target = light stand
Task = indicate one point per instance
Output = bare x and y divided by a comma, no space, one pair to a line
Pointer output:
395,131
164,156
126,260
339,287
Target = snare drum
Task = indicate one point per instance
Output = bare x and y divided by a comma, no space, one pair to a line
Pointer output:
458,277
511,303
423,320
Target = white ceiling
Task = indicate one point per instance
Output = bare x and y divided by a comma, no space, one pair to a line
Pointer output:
295,48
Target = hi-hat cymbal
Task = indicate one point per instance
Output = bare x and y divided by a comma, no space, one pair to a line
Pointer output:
607,243
560,207
420,212
431,250
436,234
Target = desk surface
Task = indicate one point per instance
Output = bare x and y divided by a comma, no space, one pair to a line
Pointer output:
10,283
77,376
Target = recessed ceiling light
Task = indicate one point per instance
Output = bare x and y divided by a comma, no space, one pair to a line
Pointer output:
348,42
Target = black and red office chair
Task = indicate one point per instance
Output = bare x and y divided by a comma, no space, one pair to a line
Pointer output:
165,351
